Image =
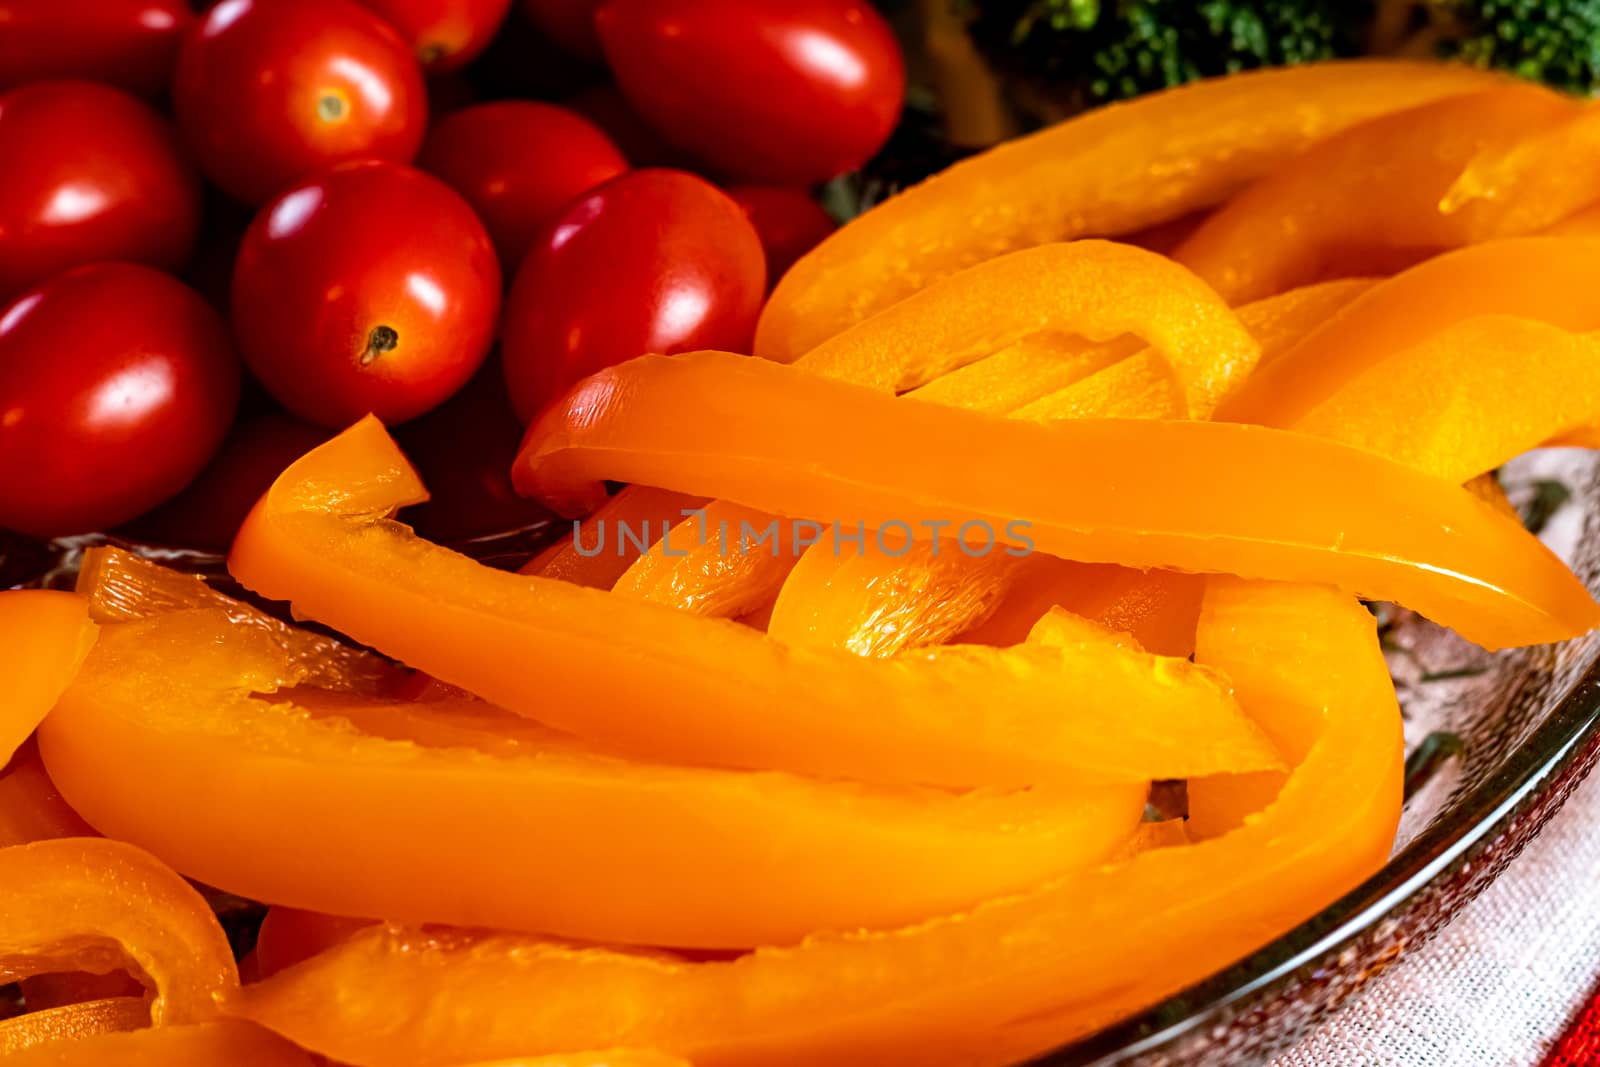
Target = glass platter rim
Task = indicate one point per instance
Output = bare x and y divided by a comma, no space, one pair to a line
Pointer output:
1564,746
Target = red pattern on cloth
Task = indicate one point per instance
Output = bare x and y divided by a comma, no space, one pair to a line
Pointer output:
1580,1045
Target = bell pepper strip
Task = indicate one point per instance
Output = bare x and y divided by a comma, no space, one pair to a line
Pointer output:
219,1043
293,935
864,602
1584,223
723,561
874,600
121,587
992,985
606,543
31,809
44,636
1389,186
1549,279
467,812
1099,290
645,680
1111,170
70,1023
1473,396
1486,487
59,989
611,1058
1000,383
89,904
1192,496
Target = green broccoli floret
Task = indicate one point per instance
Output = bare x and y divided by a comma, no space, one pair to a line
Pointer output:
1122,48
1552,41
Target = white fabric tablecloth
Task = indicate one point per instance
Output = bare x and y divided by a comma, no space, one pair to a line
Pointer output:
1500,983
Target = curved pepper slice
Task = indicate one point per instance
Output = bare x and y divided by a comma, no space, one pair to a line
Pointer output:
89,904
725,561
606,543
647,680
1470,398
1381,192
1551,279
44,635
468,810
989,986
121,587
1002,382
220,1043
1109,171
1191,496
1099,290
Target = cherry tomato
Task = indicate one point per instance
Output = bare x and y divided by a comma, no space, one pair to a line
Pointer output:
789,222
210,511
653,261
89,173
569,23
270,91
132,44
443,34
117,383
369,288
464,450
787,91
518,163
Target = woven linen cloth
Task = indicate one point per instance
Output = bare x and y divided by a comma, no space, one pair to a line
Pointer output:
1499,985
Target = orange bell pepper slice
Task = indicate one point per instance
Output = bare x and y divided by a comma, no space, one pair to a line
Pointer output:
48,1030
44,636
717,693
1099,290
89,904
1009,378
1192,496
219,1043
1550,279
468,810
1474,396
989,986
1112,170
700,569
293,935
598,552
31,808
1390,190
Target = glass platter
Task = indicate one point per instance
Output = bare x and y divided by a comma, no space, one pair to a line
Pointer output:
1495,743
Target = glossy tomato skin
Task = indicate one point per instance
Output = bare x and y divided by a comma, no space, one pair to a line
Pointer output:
131,44
789,222
208,513
783,91
464,450
444,35
653,261
270,91
518,163
371,287
569,23
117,383
89,173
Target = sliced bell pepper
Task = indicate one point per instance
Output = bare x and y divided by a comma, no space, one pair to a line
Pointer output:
1143,386
1004,381
599,552
121,587
31,809
1551,279
1387,190
44,636
1193,496
1112,170
658,683
293,935
1585,223
1470,398
1099,290
710,563
89,904
988,986
220,1043
48,1030
467,810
